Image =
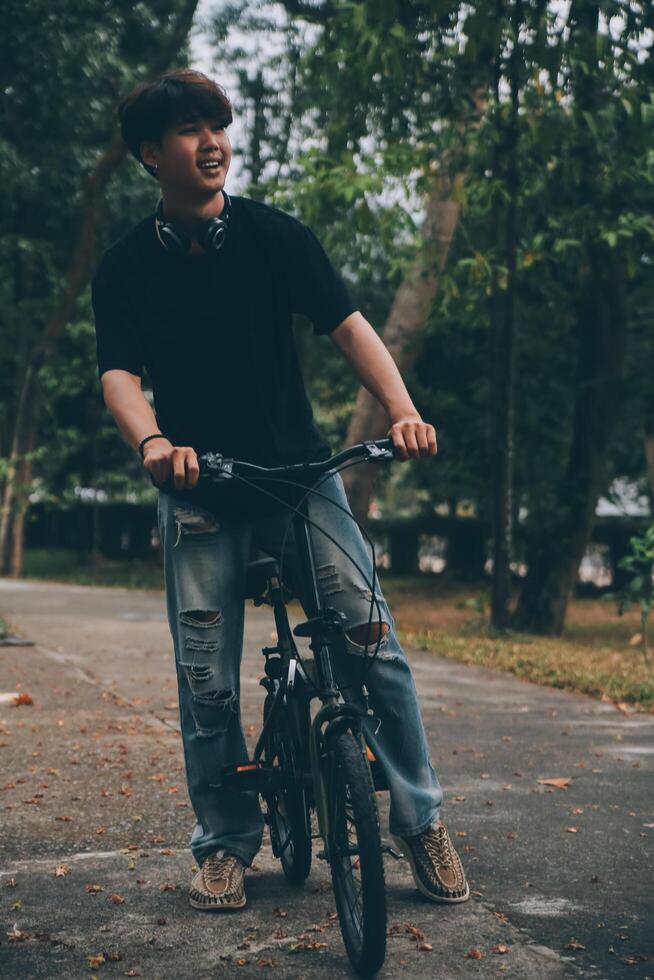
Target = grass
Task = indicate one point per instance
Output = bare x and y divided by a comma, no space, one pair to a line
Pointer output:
67,565
593,656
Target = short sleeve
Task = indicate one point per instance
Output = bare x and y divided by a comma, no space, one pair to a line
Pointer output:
117,341
317,289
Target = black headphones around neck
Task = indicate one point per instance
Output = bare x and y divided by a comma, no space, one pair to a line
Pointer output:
211,234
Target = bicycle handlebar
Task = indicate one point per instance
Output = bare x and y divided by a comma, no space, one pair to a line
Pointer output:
215,467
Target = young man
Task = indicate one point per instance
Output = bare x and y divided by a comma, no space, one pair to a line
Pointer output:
201,294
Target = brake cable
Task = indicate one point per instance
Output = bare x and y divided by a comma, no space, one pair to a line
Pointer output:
368,660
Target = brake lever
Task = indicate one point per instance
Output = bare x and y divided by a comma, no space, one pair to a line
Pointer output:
376,454
214,466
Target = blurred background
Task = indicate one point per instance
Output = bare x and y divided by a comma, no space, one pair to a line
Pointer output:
482,173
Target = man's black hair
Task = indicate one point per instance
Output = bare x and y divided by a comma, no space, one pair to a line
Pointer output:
178,96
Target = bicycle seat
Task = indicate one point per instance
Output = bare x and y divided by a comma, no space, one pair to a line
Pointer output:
258,575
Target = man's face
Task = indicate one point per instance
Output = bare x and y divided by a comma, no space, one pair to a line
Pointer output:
185,156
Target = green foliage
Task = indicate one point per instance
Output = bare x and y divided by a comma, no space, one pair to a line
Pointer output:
348,113
639,587
65,68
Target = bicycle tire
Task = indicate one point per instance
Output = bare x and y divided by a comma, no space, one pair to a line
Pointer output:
290,825
359,887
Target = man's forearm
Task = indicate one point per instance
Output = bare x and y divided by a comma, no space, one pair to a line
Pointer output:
368,356
129,407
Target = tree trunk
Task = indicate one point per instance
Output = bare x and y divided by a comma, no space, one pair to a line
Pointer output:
648,446
404,542
505,171
409,311
555,549
24,479
76,277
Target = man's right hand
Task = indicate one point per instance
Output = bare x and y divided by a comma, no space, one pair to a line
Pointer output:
163,461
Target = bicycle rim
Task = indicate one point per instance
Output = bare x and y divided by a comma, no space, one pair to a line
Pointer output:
355,855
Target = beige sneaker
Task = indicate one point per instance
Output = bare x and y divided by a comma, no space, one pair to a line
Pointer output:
437,869
219,885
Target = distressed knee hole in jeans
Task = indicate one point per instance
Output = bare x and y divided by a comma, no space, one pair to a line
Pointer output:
201,618
362,635
213,703
194,522
213,709
355,638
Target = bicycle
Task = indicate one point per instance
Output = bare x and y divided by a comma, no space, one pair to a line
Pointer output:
300,765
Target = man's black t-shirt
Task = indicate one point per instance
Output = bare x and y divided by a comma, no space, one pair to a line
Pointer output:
214,332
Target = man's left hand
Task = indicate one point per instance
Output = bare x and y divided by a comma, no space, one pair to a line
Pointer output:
412,438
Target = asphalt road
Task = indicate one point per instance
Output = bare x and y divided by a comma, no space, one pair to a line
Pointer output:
93,788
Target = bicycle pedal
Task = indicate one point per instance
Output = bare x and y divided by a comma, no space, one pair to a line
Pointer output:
387,849
247,776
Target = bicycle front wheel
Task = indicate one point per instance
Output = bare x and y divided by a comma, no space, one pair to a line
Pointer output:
355,854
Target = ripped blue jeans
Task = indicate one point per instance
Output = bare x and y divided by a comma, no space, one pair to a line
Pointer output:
205,562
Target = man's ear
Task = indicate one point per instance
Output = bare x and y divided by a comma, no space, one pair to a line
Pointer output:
148,150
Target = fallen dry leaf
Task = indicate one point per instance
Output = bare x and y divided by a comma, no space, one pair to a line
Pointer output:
92,889
560,783
168,886
18,936
413,931
636,639
312,944
97,960
116,899
573,944
500,948
22,698
571,830
61,871
424,947
280,913
475,954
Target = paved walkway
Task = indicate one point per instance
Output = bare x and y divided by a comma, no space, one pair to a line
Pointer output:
93,786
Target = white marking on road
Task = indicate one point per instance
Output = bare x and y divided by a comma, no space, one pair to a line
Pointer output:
545,906
33,864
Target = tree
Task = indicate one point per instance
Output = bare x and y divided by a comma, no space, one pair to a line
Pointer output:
74,122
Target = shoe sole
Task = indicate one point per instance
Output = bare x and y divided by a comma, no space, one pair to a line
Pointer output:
419,885
232,907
